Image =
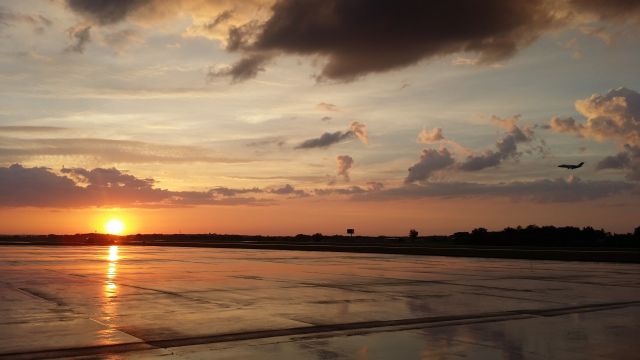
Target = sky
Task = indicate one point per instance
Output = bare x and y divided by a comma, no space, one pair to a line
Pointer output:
303,116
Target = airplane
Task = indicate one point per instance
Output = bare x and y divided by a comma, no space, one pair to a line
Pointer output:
571,167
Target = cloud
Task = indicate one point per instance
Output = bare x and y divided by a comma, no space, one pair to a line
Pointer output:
77,188
614,116
244,69
288,189
327,107
101,187
359,37
564,125
360,131
80,36
225,191
279,142
506,146
219,19
351,34
628,158
105,12
41,187
571,189
609,9
38,22
122,39
427,137
107,150
327,139
375,186
30,129
372,186
430,161
343,165
340,191
433,160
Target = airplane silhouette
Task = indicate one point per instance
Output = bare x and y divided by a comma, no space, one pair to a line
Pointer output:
571,167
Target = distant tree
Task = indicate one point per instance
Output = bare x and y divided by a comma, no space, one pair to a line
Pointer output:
636,232
351,232
479,231
317,236
413,233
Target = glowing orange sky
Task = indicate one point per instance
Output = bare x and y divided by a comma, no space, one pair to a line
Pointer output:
304,216
244,117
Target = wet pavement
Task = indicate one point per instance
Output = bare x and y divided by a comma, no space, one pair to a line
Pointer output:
132,302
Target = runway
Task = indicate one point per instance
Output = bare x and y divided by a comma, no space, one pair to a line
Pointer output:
131,302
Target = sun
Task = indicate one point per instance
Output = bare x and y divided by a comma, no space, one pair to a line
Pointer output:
114,227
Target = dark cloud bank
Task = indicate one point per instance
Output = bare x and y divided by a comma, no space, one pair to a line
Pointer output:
359,37
76,187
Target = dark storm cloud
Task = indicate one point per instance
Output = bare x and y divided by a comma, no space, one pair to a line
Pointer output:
327,139
241,36
106,12
431,160
609,9
244,69
79,36
541,191
361,36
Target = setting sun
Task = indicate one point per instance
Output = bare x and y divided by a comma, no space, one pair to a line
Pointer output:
114,227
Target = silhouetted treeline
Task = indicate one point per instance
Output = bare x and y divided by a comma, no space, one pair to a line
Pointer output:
530,236
548,236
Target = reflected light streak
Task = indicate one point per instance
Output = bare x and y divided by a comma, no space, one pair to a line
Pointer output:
113,253
109,307
112,269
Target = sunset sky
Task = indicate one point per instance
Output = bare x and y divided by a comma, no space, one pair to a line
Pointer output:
304,116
